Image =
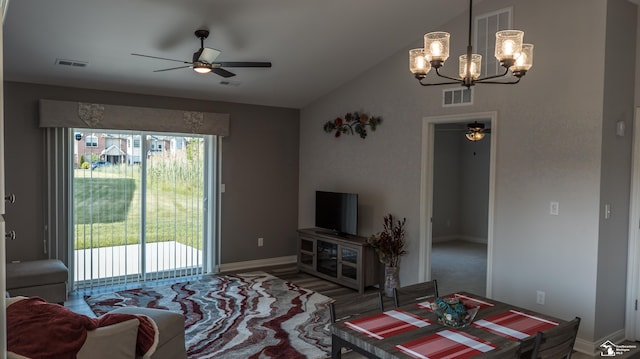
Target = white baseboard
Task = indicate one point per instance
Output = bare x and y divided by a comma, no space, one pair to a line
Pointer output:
593,348
267,262
441,239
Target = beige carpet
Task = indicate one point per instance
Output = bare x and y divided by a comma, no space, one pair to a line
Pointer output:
459,265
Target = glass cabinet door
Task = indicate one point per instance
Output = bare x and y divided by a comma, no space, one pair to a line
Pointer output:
327,259
306,253
349,263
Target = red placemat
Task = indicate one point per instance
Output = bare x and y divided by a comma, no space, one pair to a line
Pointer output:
468,302
448,343
514,324
386,324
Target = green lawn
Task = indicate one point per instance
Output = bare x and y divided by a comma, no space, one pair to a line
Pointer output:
102,200
107,206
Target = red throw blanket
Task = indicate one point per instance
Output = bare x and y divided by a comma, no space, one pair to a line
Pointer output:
38,329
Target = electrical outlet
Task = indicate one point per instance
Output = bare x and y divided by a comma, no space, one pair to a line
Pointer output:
554,208
260,242
540,297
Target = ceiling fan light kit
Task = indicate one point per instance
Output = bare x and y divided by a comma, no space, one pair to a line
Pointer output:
513,55
203,60
476,131
201,67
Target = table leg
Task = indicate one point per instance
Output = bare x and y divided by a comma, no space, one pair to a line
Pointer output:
336,347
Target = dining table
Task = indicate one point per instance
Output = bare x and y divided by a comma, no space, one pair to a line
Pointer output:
413,331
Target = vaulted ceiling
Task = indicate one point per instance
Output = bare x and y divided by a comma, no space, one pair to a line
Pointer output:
315,45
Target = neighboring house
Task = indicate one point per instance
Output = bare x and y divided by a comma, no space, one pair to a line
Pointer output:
115,148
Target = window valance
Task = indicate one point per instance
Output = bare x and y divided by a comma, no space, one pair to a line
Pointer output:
67,114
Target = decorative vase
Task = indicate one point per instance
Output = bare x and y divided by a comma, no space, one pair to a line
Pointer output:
391,280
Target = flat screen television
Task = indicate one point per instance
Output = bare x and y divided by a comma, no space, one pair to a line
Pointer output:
337,212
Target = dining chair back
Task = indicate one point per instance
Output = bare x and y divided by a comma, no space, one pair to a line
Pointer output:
556,342
344,310
415,293
525,347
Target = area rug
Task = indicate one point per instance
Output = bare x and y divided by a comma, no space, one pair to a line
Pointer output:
250,315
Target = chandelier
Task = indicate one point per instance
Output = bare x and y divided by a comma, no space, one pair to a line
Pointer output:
513,55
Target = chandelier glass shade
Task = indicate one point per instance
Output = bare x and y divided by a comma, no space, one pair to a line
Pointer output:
514,56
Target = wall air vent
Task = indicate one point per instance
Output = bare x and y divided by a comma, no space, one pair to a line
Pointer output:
457,97
71,63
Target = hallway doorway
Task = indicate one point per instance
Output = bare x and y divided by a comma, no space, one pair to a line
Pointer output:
457,203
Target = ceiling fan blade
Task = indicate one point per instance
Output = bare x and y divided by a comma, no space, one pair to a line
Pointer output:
161,58
173,68
243,64
208,54
222,72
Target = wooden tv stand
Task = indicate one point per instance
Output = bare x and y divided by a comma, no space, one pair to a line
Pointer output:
343,259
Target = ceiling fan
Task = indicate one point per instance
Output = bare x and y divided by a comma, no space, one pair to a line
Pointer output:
476,131
473,131
203,60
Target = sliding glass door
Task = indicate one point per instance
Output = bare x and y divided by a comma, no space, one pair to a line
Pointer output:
140,204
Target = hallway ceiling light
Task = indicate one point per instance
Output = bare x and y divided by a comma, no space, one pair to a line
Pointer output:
514,56
476,131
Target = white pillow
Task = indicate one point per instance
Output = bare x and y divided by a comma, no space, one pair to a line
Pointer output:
111,342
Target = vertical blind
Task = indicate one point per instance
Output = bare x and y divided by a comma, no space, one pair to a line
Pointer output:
135,205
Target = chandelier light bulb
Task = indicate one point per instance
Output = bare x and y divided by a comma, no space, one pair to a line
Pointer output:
507,47
508,44
418,64
436,46
474,67
524,60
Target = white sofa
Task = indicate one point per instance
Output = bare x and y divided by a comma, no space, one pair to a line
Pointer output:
113,341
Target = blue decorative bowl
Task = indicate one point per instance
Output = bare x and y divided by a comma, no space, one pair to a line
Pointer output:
452,313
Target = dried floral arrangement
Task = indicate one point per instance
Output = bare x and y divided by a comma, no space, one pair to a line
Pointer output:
390,242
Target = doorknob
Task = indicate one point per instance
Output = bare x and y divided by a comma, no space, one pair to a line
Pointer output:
11,198
10,235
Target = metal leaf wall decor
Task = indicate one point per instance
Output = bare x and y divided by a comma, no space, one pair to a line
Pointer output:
353,123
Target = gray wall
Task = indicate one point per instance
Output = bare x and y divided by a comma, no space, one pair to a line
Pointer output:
616,165
460,186
259,169
549,148
446,186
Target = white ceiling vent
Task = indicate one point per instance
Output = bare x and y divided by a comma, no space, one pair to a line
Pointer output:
457,97
230,83
71,63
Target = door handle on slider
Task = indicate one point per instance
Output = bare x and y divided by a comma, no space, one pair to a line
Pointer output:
11,198
10,235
